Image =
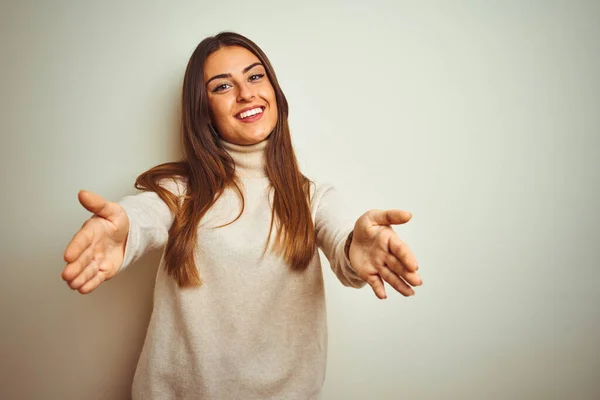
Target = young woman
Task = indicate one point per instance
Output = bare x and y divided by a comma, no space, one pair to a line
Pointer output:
239,306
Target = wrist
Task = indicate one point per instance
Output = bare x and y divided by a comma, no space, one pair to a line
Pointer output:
348,244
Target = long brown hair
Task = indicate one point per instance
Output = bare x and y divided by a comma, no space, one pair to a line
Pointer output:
207,170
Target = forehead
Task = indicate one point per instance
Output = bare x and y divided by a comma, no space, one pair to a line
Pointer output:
228,60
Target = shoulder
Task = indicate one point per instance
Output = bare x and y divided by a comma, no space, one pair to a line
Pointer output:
320,190
176,185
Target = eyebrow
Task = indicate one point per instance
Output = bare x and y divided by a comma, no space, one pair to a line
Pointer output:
248,68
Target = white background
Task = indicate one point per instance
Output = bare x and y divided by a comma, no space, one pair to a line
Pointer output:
481,118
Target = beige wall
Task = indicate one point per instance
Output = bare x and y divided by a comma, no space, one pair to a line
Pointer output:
482,118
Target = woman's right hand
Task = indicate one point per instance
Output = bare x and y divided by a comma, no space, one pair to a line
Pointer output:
96,252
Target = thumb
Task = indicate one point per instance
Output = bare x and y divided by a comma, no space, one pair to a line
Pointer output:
390,217
97,205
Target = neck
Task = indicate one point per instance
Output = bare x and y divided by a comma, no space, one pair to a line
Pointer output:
250,160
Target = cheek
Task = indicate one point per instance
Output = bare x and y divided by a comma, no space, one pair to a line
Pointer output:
218,111
272,99
274,115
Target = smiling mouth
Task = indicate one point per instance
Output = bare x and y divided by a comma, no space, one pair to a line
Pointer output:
249,114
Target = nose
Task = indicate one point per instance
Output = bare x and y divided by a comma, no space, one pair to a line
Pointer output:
244,93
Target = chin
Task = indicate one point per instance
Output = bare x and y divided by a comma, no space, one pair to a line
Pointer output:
248,137
257,138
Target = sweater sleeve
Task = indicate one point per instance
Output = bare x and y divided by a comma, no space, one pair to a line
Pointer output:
332,229
149,221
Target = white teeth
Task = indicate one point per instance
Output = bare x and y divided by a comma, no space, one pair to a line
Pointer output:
250,113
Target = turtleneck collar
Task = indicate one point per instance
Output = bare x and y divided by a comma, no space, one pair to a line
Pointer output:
250,160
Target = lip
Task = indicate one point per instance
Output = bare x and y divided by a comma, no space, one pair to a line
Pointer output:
249,108
253,118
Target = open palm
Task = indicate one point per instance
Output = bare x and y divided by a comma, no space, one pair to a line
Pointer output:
377,254
96,252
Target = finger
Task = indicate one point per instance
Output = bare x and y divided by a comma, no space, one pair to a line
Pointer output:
377,285
403,253
98,205
89,272
390,217
93,283
412,278
73,269
396,282
81,241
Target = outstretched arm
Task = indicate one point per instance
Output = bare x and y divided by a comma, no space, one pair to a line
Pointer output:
332,227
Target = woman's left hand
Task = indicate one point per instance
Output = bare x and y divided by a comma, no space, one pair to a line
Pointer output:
377,254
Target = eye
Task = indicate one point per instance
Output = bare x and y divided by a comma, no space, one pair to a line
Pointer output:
220,88
255,77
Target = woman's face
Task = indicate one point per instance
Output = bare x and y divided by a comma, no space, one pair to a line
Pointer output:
241,98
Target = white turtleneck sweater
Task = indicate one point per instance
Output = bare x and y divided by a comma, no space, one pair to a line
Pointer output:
255,329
